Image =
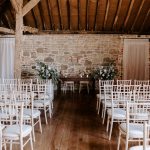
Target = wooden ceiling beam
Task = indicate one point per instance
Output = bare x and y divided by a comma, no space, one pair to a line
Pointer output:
6,30
137,16
117,14
128,14
29,6
59,15
15,5
146,17
49,13
78,14
106,14
68,13
30,29
41,15
97,4
86,16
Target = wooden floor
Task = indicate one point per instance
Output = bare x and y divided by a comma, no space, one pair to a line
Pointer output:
74,126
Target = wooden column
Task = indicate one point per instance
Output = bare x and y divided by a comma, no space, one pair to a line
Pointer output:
20,12
18,39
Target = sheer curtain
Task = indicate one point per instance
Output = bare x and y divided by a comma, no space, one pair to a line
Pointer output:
7,49
136,59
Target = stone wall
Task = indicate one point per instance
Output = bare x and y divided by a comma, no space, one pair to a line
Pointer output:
69,53
72,53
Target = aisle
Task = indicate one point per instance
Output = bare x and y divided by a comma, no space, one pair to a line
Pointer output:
74,126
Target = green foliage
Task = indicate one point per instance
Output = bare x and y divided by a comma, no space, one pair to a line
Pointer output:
45,72
107,72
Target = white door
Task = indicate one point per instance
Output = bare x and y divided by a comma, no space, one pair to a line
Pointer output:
136,59
7,49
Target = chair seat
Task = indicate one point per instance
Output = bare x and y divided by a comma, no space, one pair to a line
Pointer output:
28,112
140,147
13,131
43,96
41,103
102,96
135,129
118,113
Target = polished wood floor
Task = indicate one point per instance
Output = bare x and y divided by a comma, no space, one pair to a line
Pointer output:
74,126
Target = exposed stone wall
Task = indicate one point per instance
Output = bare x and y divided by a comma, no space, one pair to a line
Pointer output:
71,53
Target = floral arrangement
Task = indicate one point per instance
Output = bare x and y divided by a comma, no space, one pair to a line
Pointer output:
105,72
46,72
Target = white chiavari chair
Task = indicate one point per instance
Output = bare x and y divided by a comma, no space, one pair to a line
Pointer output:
136,115
117,111
146,139
32,116
106,103
124,82
100,95
44,100
17,132
141,82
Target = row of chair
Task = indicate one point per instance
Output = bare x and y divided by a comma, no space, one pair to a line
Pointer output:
24,101
126,104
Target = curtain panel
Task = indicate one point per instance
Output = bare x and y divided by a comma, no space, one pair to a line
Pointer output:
136,59
7,49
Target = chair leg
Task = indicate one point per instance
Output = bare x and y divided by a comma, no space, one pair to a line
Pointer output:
40,126
45,115
31,143
107,124
104,115
21,144
111,126
119,138
33,133
126,147
50,112
10,145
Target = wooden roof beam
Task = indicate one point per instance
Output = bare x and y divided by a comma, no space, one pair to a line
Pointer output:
59,15
30,29
137,16
68,13
29,6
117,14
128,14
6,30
15,5
106,14
142,26
97,4
87,22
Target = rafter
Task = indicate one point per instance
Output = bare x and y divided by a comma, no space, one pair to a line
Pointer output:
30,29
78,3
106,14
137,16
128,14
68,13
29,6
142,26
49,13
86,16
97,4
6,30
41,15
117,14
15,5
59,15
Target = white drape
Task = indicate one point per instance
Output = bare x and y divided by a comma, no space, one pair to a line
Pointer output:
136,59
7,49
